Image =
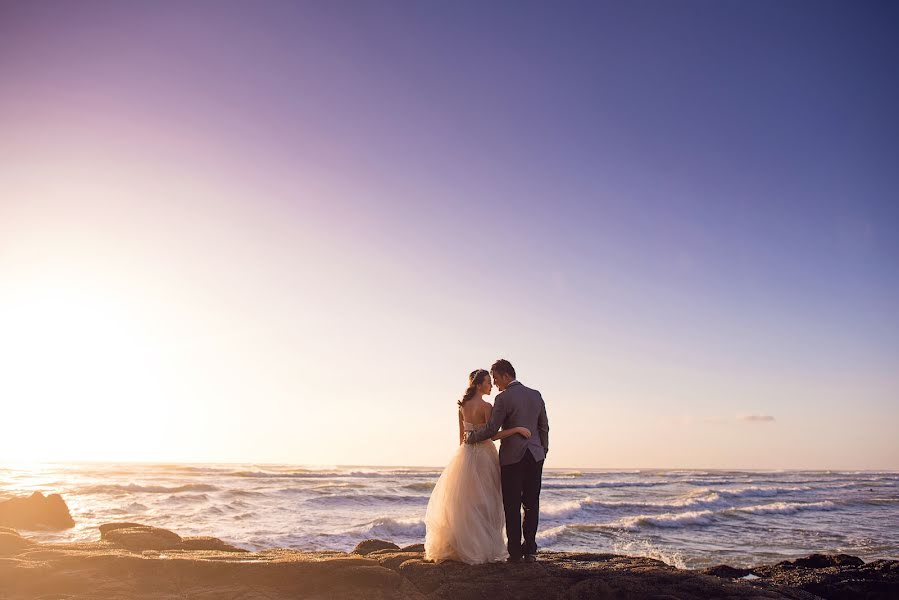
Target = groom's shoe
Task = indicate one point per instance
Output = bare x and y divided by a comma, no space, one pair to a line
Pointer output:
530,558
513,559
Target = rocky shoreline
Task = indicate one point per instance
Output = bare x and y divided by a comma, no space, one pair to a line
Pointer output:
133,560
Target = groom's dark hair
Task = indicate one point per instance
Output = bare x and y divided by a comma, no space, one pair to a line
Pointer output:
503,366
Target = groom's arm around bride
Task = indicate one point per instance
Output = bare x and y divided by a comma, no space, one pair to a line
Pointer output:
516,406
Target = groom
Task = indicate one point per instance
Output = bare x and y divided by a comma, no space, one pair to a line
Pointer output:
521,459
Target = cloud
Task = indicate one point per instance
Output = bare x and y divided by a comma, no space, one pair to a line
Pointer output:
756,418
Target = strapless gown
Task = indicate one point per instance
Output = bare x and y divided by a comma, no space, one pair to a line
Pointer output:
465,518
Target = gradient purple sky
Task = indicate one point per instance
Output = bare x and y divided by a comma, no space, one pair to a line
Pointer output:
305,223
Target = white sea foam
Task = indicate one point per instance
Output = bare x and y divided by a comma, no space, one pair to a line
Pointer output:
602,484
366,500
696,517
708,497
549,536
641,547
147,489
708,517
784,508
563,510
754,490
333,474
696,499
420,486
182,498
391,528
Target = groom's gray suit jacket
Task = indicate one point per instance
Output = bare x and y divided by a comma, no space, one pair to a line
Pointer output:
516,406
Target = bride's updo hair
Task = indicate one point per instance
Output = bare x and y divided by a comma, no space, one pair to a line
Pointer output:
475,379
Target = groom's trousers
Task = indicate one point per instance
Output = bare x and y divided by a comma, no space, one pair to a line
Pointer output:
521,487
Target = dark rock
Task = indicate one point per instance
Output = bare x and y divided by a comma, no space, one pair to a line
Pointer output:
819,561
569,575
832,576
208,543
107,527
393,560
413,548
126,565
366,546
883,565
426,576
366,577
726,572
12,543
36,512
375,553
143,537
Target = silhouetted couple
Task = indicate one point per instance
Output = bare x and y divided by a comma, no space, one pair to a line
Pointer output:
480,490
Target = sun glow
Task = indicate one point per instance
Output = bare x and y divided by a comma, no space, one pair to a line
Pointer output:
77,360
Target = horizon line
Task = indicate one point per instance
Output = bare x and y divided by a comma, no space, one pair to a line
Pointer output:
371,466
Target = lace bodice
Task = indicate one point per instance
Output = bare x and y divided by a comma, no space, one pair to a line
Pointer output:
472,427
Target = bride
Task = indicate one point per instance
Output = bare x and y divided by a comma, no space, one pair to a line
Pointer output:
465,517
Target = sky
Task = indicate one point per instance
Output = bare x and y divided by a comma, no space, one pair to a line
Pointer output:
287,231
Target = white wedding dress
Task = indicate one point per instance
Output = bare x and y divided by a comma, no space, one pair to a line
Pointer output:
465,518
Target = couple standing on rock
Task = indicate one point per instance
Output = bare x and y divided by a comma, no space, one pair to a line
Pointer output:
479,490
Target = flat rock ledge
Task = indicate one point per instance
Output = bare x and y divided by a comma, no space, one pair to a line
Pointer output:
132,560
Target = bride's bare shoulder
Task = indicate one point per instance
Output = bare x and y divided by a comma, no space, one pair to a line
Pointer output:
486,408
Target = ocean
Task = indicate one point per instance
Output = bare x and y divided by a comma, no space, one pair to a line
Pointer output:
687,518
